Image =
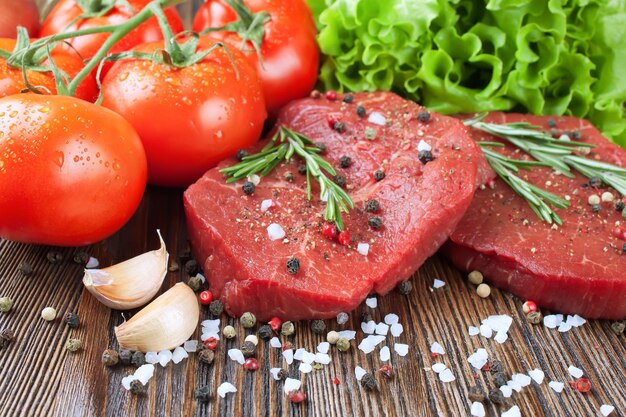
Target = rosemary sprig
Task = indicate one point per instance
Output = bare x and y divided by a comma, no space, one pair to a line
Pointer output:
283,146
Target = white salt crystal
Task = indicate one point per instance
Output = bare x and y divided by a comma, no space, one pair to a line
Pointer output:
564,327
363,248
385,354
323,347
208,334
254,179
288,355
212,325
382,329
305,368
477,409
275,342
501,337
485,330
92,263
291,385
423,146
537,375
191,346
322,358
556,386
514,385
446,376
359,372
606,409
522,379
274,372
179,354
275,232
473,331
506,391
575,372
391,319
152,357
308,357
165,356
439,367
144,373
126,381
299,353
369,327
225,388
265,205
576,320
512,412
437,348
401,349
371,302
552,321
376,118
437,283
396,329
479,358
499,323
236,355
201,277
368,344
348,334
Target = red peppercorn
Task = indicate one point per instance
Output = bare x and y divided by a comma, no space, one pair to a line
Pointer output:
329,231
210,343
336,381
434,355
387,371
582,385
331,95
206,297
344,238
287,345
251,364
529,307
297,396
275,324
315,94
332,119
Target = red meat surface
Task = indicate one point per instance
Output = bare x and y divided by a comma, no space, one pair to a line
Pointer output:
576,268
420,205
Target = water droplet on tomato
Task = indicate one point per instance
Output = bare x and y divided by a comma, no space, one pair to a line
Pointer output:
116,166
218,134
59,158
124,76
13,113
76,158
44,109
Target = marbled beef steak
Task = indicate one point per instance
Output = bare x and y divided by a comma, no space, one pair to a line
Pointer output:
578,267
420,205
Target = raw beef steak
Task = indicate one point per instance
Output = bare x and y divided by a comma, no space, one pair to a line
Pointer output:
420,205
578,267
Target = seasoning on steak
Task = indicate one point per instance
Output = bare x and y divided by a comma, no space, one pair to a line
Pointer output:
419,204
578,267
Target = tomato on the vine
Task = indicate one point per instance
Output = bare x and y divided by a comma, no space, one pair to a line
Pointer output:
14,13
188,118
289,52
71,172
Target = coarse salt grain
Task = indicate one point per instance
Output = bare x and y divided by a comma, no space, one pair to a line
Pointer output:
498,323
323,347
207,334
372,302
446,375
473,331
479,358
265,205
391,319
537,375
552,321
275,342
477,409
522,379
305,368
606,409
275,373
485,331
152,357
299,354
575,320
165,356
401,349
236,355
225,388
439,367
254,179
423,146
396,329
376,118
514,385
359,372
308,357
322,358
144,373
564,327
126,381
291,384
385,354
368,344
501,337
201,277
348,334
369,327
506,391
92,263
288,355
512,412
382,329
556,386
437,283
275,232
437,348
190,346
363,248
179,354
574,371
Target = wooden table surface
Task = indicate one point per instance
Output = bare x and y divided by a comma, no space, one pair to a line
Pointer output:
38,377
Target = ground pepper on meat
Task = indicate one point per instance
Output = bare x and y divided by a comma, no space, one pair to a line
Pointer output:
293,265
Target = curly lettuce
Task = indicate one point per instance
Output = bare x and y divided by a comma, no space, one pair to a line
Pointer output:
550,57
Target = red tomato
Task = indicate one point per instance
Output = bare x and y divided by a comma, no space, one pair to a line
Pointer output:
14,13
12,79
289,50
71,173
64,17
188,119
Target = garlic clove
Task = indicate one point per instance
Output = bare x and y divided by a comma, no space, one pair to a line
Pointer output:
131,283
165,323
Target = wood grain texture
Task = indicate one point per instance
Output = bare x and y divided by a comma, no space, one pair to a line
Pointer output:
38,377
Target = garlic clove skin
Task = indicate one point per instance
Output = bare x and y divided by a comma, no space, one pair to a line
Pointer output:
164,324
129,284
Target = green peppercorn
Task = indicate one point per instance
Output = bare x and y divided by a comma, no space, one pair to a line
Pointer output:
203,393
405,287
618,327
138,359
476,394
496,397
368,382
293,265
248,187
110,357
318,326
372,206
137,388
370,133
54,257
125,356
26,268
423,116
6,338
288,176
247,320
619,205
535,317
195,283
72,345
287,329
216,307
596,208
206,356
343,344
5,304
332,337
345,161
475,277
375,222
499,378
72,320
248,349
496,366
265,332
229,332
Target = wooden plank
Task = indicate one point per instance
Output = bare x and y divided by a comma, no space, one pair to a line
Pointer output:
39,378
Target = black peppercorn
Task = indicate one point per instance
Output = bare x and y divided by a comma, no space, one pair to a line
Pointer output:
302,169
81,258
619,205
293,265
348,98
476,394
425,156
6,338
248,349
368,382
216,307
248,187
72,320
372,206
595,182
554,132
551,123
339,127
138,359
340,180
624,248
423,116
241,153
596,208
125,356
345,161
265,332
203,393
379,175
405,287
321,147
289,176
206,356
499,379
360,111
191,267
318,326
26,268
576,135
137,388
282,374
54,257
365,316
496,397
110,357
496,366
375,222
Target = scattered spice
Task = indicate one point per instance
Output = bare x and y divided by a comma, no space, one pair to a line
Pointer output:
496,397
595,182
248,349
48,314
345,161
72,320
191,267
137,388
329,230
81,258
331,95
293,265
195,283
275,323
206,356
6,338
315,94
322,147
203,393
405,287
138,359
372,206
423,116
344,238
229,332
210,343
297,396
360,111
619,205
302,169
73,345
375,222
529,307
370,133
5,304
368,382
496,366
340,180
387,371
206,297
335,380
476,394
25,268
125,356
618,327
241,153
551,123
535,317
475,277
265,332
379,175
425,156
216,307
342,318
251,364
281,375
287,329
582,385
332,337
366,317
173,267
339,127
343,344
110,357
499,378
348,98
596,208
252,338
54,257
318,326
483,290
288,176
247,320
576,135
248,187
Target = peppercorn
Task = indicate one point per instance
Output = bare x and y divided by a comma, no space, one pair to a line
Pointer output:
72,345
576,135
379,175
475,277
216,307
340,180
375,222
288,176
229,332
248,187
534,317
138,359
360,111
25,268
265,332
551,123
81,258
344,238
342,318
332,337
5,304
247,320
618,327
368,382
287,329
137,388
248,349
529,306
293,265
483,290
365,316
241,153
297,396
595,182
387,371
302,169
125,356
206,356
496,397
206,297
275,323
54,257
425,156
191,267
405,287
329,230
370,133
195,283
596,208
318,326
48,314
372,206
251,364
331,95
110,357
348,98
582,385
499,378
210,342
619,205
339,127
6,338
496,366
343,344
476,394
554,132
173,267
322,147
72,320
315,94
345,161
624,248
203,393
